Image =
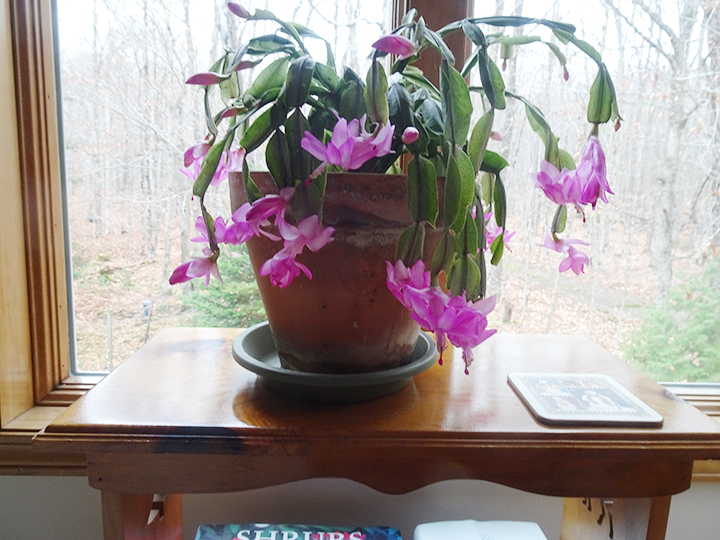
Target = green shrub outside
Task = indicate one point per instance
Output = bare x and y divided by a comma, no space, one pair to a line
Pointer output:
236,302
681,343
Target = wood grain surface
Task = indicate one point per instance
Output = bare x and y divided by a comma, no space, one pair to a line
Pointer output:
183,411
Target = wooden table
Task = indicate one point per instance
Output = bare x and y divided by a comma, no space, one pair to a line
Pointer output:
180,416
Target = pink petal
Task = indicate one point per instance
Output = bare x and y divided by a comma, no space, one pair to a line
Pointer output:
313,146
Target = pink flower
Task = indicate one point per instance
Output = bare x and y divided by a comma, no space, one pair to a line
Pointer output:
348,148
283,268
241,230
466,324
230,160
576,260
195,152
399,276
271,205
493,230
395,44
561,187
196,267
222,234
309,232
592,173
450,318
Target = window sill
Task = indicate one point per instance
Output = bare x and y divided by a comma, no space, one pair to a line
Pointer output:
17,456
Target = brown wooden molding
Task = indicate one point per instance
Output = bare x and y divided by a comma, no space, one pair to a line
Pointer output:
38,140
16,372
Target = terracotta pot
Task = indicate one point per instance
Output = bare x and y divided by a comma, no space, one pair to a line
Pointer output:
343,320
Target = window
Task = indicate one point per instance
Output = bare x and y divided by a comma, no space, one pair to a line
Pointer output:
34,365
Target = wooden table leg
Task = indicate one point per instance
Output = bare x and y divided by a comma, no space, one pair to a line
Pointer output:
125,517
615,519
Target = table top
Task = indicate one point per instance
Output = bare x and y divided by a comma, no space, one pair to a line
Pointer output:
183,394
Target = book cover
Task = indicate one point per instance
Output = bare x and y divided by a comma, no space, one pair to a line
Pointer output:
263,531
581,399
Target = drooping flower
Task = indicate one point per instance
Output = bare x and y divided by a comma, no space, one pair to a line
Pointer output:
592,173
399,276
195,152
493,230
222,234
230,160
309,233
197,267
576,260
283,268
348,148
561,187
395,44
467,324
461,322
271,205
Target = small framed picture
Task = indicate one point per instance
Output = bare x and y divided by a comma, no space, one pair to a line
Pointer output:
581,399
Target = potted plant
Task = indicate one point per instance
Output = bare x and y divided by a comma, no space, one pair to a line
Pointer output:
331,138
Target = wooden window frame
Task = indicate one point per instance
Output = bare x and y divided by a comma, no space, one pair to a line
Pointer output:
35,380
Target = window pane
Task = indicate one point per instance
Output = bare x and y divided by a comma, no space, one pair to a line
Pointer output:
128,117
656,242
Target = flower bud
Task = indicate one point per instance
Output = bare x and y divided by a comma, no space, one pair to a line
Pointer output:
395,44
410,135
206,79
237,9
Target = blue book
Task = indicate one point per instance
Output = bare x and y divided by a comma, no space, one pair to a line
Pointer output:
263,531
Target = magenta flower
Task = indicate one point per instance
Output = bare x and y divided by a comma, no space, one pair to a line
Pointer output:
466,324
283,268
222,234
309,233
493,230
241,230
196,267
195,152
576,260
410,135
399,276
463,323
395,44
592,173
348,148
271,205
230,160
561,187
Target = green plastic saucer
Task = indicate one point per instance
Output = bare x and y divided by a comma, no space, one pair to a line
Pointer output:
254,349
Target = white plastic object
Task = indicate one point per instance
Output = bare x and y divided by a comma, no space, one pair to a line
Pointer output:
479,530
